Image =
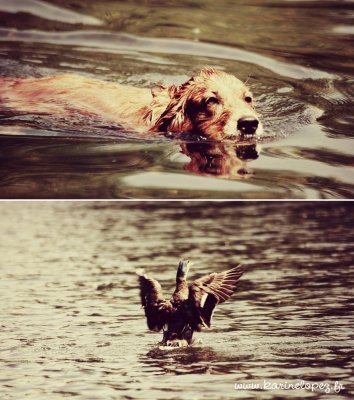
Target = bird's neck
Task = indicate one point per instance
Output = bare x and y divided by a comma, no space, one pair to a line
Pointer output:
181,292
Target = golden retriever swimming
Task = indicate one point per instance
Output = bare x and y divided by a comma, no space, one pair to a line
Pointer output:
212,104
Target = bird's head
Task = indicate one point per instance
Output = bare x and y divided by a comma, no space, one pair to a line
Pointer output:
183,268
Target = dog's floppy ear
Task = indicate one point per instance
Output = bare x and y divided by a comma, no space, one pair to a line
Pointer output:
161,96
174,117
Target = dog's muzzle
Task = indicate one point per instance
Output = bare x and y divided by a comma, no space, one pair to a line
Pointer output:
247,126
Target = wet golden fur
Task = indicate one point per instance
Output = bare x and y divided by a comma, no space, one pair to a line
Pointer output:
210,103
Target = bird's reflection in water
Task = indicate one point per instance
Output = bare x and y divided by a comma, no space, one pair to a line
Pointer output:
220,159
189,360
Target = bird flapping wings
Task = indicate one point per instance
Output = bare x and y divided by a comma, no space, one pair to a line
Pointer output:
206,292
156,307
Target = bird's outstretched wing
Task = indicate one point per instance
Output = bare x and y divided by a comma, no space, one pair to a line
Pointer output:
205,293
156,307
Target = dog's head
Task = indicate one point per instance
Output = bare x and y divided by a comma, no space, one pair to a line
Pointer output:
213,104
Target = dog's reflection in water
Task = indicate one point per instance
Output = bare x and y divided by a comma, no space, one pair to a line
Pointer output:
225,160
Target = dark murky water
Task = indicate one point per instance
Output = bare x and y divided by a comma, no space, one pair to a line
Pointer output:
296,55
64,336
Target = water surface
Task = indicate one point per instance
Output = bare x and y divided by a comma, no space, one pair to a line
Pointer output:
72,325
295,55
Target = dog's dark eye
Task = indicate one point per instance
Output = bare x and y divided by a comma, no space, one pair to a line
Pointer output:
212,100
248,99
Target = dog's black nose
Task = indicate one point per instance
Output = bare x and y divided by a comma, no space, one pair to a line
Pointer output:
247,126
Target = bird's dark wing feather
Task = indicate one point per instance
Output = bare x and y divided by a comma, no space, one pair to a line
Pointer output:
156,307
205,293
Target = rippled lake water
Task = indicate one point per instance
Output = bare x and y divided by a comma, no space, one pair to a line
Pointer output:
296,56
72,325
